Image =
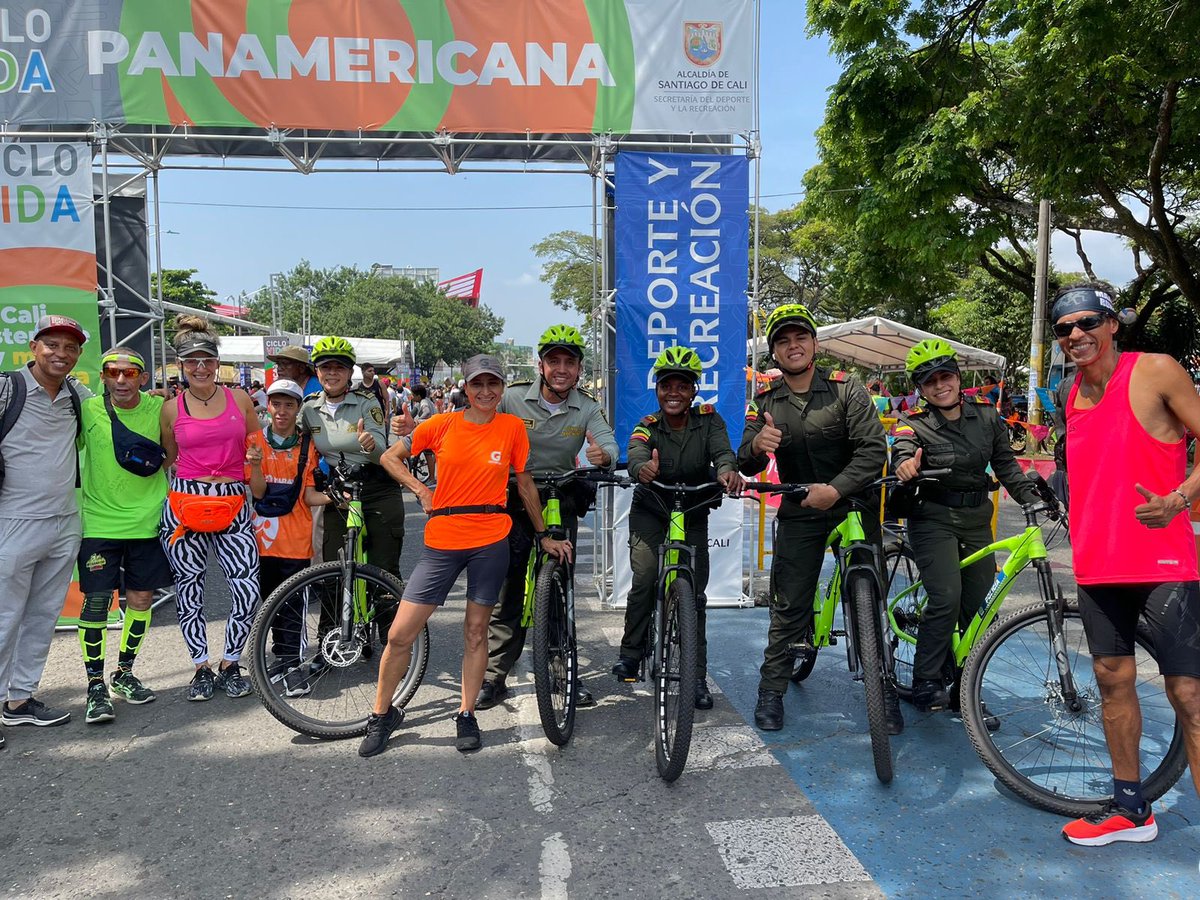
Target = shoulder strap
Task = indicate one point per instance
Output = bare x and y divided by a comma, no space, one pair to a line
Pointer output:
305,440
16,402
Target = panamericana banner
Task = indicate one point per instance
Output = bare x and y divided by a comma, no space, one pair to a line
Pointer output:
511,66
47,248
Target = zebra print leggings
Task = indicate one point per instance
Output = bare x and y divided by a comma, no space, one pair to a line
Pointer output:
237,554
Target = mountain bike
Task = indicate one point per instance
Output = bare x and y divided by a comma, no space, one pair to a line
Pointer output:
1041,733
857,584
550,610
422,467
314,635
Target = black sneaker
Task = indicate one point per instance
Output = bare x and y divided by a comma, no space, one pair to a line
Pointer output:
295,683
34,712
929,696
626,669
891,706
490,693
231,680
469,737
129,688
379,729
203,683
768,711
704,698
99,705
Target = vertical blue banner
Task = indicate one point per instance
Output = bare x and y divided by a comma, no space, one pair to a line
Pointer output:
682,241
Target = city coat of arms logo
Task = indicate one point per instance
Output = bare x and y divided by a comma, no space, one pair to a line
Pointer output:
702,42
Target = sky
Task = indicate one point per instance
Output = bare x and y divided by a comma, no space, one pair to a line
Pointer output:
473,220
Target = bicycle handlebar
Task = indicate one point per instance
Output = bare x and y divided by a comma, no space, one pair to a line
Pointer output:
770,487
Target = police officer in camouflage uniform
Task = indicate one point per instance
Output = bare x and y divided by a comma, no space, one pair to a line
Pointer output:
824,431
680,444
559,418
952,518
349,424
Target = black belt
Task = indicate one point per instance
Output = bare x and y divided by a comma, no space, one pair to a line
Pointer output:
951,498
486,508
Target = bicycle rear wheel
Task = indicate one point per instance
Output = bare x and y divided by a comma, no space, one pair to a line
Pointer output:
863,594
906,600
555,663
675,680
300,670
1047,752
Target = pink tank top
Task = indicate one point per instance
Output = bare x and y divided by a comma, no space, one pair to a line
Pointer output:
1108,452
211,448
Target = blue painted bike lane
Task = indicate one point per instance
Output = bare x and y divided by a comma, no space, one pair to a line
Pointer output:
944,827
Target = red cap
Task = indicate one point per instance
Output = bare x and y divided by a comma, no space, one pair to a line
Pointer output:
59,323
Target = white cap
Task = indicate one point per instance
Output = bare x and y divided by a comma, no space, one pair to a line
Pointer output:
284,386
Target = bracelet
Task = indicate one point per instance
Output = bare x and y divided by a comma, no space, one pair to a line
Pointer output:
1186,501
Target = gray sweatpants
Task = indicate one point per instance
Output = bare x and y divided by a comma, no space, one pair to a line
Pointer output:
36,560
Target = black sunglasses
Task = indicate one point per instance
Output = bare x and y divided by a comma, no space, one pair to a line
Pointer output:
1087,323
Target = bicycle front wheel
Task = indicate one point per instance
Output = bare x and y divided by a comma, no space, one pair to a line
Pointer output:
675,680
555,663
1047,750
305,675
863,595
906,602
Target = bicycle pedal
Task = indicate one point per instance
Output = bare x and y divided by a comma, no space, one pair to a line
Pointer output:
802,651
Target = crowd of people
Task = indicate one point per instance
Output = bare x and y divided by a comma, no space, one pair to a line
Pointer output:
165,482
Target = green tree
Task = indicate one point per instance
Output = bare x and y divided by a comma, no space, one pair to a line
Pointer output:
183,287
323,287
568,258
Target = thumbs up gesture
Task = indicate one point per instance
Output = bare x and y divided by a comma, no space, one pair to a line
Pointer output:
649,471
908,469
365,439
595,453
1158,511
769,438
403,424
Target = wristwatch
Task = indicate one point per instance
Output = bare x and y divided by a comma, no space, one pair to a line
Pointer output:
538,536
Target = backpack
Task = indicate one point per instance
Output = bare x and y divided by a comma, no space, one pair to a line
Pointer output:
14,404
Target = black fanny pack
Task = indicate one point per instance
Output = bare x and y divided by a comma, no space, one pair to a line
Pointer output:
135,453
280,499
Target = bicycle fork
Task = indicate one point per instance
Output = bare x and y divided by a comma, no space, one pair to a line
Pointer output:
1055,604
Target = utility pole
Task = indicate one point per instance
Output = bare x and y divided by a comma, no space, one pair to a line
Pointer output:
1041,283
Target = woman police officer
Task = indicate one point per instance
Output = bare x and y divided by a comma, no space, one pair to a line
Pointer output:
951,518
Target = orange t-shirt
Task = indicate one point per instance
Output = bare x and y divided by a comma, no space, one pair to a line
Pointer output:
473,463
290,536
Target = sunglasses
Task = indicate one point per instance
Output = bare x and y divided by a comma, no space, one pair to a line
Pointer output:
207,362
1087,323
130,372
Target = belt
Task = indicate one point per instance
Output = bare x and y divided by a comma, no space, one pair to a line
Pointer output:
951,498
485,508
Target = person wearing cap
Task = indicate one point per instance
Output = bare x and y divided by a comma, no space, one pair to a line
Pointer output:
274,456
120,547
823,430
39,518
1133,552
467,530
952,517
348,425
204,430
293,364
561,420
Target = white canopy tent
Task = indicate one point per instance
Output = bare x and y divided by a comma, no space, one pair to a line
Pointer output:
881,344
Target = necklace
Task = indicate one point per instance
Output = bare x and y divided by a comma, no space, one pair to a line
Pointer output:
204,400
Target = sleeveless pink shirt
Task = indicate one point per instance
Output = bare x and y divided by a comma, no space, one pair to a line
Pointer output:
1108,452
211,448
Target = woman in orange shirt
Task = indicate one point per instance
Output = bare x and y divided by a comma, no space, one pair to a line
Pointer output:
467,529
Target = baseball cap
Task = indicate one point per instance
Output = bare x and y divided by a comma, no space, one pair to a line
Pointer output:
284,386
296,354
59,323
482,364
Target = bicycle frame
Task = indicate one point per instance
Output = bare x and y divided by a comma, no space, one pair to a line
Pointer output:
355,608
552,518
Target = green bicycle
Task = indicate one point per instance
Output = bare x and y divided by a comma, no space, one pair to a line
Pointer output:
857,584
1041,732
314,632
550,610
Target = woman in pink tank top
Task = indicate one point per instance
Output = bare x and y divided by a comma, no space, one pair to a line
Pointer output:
204,432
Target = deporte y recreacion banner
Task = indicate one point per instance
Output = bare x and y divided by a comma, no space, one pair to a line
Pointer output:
575,66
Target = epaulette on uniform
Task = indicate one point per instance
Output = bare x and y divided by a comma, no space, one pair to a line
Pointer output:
641,433
981,400
706,409
315,395
525,383
775,382
586,393
916,411
839,375
648,420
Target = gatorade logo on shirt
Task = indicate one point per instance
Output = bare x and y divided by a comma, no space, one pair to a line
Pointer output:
497,457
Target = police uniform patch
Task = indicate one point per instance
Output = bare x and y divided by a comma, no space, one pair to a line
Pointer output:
649,420
376,415
752,411
529,423
640,433
917,411
903,431
839,375
982,400
706,409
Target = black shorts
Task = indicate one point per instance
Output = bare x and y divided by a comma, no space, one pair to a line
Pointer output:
437,570
1170,610
101,561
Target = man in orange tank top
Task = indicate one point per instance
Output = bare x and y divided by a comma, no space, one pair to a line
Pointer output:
1126,457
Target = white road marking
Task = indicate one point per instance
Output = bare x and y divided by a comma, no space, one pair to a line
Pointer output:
789,851
554,867
728,747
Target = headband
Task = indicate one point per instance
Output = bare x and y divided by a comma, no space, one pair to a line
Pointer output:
123,358
1083,300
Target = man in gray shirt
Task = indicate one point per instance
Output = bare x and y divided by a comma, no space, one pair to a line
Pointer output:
39,521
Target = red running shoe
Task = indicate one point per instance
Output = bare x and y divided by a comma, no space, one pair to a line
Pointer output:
1113,823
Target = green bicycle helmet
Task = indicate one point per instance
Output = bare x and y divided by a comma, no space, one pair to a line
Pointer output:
333,348
790,314
563,337
678,361
929,356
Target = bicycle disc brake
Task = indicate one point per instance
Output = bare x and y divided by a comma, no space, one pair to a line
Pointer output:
342,655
